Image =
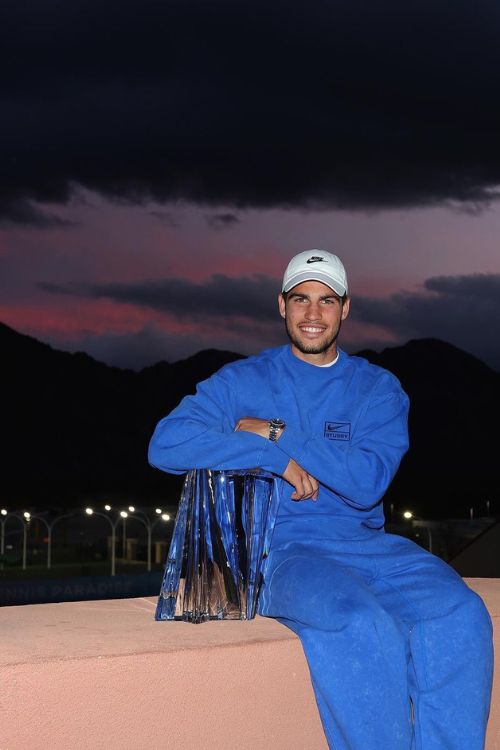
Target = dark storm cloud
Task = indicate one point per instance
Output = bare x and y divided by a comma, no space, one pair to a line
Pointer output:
219,297
344,103
20,211
166,217
464,310
221,221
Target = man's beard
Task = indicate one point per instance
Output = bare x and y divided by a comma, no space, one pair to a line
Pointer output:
312,348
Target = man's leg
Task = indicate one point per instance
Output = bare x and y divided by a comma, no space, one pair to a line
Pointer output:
357,655
450,644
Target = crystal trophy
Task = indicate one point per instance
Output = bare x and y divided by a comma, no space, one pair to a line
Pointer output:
221,534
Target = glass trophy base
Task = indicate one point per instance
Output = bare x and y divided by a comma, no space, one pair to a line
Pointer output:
213,569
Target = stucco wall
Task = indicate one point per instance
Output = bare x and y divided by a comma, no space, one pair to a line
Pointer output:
104,675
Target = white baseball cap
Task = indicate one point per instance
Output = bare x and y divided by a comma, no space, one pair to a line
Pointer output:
316,265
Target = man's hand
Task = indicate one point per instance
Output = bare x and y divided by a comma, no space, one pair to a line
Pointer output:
306,486
253,424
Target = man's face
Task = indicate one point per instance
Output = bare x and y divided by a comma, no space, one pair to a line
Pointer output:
313,314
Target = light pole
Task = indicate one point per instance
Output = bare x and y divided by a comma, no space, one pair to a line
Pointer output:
4,517
3,521
24,520
138,515
123,515
50,526
131,509
124,540
25,523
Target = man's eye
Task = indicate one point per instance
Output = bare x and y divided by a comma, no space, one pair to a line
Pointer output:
329,301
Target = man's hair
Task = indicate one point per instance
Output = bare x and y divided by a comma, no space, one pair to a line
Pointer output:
285,295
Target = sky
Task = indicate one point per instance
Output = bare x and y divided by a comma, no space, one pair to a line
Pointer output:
161,163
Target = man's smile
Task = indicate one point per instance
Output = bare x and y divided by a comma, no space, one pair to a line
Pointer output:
312,330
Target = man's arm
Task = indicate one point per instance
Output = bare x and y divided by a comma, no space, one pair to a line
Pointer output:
200,433
305,486
203,433
359,471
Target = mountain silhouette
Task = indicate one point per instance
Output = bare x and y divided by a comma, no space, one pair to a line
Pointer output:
453,463
73,427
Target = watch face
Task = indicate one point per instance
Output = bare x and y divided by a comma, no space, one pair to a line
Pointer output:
275,425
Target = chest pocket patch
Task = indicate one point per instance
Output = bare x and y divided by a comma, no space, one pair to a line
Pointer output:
336,430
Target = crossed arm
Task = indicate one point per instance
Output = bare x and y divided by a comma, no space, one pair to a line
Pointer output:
206,430
305,486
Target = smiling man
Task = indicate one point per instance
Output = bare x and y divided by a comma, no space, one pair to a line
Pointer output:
313,309
398,647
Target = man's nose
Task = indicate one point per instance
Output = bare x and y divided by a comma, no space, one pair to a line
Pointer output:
313,311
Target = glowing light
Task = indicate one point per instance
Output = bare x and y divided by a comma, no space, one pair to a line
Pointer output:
408,514
131,508
159,511
27,515
165,516
123,514
89,511
3,512
107,507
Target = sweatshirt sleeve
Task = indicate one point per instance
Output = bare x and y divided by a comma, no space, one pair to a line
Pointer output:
359,471
199,434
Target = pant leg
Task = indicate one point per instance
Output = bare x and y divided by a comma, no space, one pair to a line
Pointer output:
357,654
450,644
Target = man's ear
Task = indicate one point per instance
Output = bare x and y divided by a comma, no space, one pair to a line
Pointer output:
282,305
345,308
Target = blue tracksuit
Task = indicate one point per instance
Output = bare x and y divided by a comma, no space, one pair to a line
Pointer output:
398,647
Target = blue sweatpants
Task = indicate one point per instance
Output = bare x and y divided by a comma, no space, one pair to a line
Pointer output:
399,648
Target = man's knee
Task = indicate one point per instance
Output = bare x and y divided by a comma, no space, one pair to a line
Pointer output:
316,592
327,598
370,621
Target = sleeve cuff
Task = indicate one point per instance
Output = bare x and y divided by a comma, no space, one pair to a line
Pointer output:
293,442
273,458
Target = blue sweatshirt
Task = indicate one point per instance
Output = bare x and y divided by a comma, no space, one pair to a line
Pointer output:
346,425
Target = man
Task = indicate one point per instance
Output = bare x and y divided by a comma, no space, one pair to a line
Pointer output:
399,649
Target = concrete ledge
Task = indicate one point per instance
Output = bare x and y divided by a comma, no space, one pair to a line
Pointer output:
104,675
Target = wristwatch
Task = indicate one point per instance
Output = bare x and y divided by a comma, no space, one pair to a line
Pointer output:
275,425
